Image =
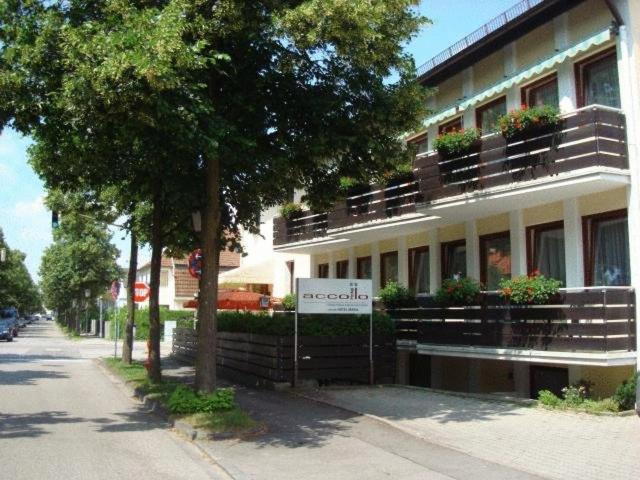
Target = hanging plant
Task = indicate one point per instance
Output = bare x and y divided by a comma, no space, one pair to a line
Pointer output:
457,143
528,120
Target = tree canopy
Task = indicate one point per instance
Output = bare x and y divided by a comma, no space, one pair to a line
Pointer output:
17,288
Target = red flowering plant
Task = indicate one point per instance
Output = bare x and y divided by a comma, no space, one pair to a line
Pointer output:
527,119
532,289
457,142
458,291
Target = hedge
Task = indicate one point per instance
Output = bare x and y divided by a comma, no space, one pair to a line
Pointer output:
183,317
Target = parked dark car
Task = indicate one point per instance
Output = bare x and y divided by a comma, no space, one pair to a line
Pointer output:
10,315
6,331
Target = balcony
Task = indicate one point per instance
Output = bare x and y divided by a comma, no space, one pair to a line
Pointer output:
592,137
594,320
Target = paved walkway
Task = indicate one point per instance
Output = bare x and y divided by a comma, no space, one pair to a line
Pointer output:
552,444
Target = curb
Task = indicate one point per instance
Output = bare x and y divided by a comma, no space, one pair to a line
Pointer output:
185,430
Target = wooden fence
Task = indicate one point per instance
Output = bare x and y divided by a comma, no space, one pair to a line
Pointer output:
596,320
269,358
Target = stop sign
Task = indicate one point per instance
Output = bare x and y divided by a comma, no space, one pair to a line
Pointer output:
141,292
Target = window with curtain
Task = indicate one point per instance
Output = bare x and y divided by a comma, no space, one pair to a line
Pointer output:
454,259
323,270
608,250
342,269
363,265
495,258
388,268
451,126
598,80
419,269
487,115
546,254
542,92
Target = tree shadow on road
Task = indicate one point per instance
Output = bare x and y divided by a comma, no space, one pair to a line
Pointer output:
28,377
34,424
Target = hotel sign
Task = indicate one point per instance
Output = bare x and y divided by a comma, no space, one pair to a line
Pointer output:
336,296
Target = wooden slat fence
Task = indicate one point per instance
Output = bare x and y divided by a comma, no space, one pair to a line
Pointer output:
269,358
578,321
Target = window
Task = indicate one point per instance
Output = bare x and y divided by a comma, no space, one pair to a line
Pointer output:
388,268
606,240
597,80
545,250
453,125
363,265
495,259
487,115
454,259
541,92
323,270
419,269
420,143
342,269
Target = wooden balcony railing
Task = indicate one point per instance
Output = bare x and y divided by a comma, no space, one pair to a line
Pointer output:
589,137
590,320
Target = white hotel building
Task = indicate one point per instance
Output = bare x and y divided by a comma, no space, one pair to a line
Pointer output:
564,203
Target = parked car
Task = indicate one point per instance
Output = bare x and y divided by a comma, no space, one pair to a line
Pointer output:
10,315
6,331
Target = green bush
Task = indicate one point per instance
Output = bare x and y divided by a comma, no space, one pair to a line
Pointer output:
282,324
394,295
290,210
456,143
527,119
463,291
625,395
534,289
548,398
183,400
182,317
349,184
289,302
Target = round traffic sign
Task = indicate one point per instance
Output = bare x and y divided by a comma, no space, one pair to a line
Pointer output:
141,292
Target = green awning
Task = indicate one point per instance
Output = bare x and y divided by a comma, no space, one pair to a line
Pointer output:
521,76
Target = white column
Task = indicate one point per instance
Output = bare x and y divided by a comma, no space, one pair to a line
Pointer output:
403,261
375,267
510,66
434,260
628,40
468,116
573,252
352,263
332,265
566,75
518,241
473,249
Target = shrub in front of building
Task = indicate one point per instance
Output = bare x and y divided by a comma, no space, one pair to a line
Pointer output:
457,143
394,295
534,289
528,120
458,292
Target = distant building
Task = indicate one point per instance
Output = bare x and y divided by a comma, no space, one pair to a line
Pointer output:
177,286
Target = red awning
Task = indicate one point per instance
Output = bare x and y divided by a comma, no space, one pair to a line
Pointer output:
235,300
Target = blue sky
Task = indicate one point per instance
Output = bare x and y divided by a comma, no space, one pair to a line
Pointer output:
26,222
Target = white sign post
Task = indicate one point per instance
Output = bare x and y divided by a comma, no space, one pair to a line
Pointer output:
337,297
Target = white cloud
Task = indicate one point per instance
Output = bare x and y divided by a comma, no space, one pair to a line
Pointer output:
33,208
7,175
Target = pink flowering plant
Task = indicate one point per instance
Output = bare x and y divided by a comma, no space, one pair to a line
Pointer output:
457,142
532,289
528,118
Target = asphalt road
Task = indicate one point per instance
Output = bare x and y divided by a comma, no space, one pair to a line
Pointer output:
62,418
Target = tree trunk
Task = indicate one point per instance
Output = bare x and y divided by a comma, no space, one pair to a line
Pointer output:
127,344
208,299
154,369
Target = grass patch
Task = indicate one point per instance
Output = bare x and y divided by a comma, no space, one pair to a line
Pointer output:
215,413
69,332
234,421
573,401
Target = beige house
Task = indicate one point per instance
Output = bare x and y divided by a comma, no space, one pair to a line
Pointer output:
177,286
565,203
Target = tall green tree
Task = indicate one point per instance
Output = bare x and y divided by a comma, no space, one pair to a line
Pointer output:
17,288
216,105
81,259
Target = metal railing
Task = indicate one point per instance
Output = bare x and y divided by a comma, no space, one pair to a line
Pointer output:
488,28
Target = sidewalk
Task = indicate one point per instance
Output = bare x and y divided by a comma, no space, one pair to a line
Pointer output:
552,444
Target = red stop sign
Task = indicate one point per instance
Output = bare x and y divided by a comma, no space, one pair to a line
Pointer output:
141,292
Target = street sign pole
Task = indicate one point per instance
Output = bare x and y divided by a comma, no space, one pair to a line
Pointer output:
295,338
115,342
